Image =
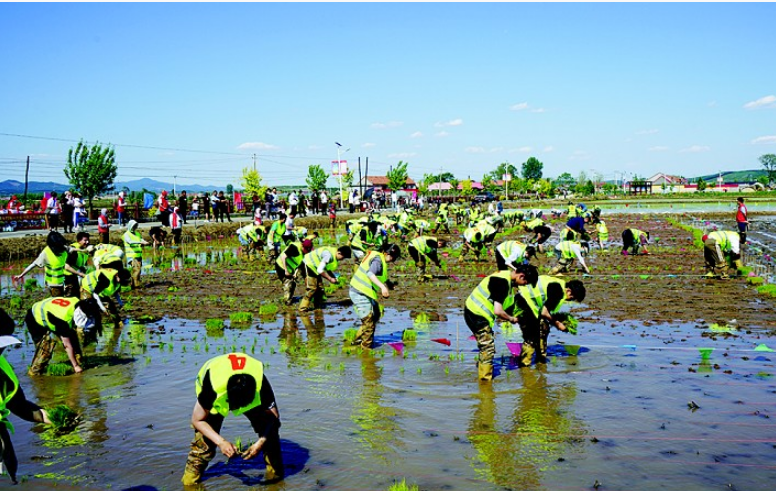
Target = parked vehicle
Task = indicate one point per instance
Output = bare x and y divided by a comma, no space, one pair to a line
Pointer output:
484,197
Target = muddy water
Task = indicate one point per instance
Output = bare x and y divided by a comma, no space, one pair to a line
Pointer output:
616,413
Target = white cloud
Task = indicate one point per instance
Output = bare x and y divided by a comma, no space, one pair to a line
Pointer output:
519,107
525,149
257,146
368,145
452,122
389,124
695,149
402,155
496,149
658,148
549,148
442,134
767,101
474,150
538,110
646,132
764,140
417,134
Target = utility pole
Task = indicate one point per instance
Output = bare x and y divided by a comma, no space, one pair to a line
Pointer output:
174,181
360,185
440,183
254,162
26,177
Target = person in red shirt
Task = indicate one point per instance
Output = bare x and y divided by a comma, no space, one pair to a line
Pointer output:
742,219
164,208
120,206
103,226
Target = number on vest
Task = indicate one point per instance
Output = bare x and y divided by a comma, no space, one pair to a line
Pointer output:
62,302
238,362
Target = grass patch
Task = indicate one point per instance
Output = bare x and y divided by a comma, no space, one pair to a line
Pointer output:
59,369
767,290
755,280
214,325
268,309
350,334
409,335
403,486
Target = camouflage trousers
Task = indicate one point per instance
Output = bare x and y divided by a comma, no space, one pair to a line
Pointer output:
203,451
535,334
137,266
313,295
44,350
483,332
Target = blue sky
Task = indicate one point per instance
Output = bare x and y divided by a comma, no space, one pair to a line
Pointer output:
195,90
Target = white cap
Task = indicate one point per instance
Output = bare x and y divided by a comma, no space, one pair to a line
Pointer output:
8,341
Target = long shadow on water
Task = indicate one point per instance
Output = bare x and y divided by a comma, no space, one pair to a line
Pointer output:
294,459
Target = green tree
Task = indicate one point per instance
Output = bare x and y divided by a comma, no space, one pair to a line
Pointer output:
466,187
454,186
397,176
316,178
498,173
229,190
347,179
532,168
769,164
701,185
565,179
251,182
91,170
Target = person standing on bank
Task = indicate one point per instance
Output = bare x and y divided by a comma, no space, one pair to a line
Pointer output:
233,382
183,205
103,226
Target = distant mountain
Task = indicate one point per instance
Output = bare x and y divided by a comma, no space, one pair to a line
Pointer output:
734,176
11,187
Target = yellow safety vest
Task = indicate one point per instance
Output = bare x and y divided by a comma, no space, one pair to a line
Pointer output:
566,248
108,253
292,262
82,258
221,368
603,230
421,244
133,245
361,281
90,282
637,234
60,307
535,296
7,393
55,267
508,246
480,303
313,259
722,237
473,235
536,222
249,232
277,230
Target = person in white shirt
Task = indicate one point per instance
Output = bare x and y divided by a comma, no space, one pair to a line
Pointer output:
568,251
324,202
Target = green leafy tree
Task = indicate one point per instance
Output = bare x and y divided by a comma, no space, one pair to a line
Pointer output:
251,182
347,179
397,176
565,179
701,185
769,164
466,187
229,190
532,168
454,185
316,178
91,169
498,173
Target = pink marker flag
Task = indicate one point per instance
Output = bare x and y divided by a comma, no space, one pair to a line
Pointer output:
398,346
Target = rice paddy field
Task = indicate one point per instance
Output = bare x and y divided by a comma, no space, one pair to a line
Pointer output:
669,383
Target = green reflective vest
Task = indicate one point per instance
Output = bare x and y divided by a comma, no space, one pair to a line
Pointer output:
603,230
276,231
361,281
133,245
314,258
60,307
566,248
248,233
108,253
82,257
55,267
480,302
722,237
292,262
637,235
535,296
7,393
472,235
421,244
508,247
221,368
89,283
532,224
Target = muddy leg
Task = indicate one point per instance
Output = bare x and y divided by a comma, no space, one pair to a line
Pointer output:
201,453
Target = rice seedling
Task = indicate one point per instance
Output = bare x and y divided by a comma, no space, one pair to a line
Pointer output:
569,320
31,284
402,486
755,280
241,317
409,335
59,369
268,309
62,418
214,325
350,334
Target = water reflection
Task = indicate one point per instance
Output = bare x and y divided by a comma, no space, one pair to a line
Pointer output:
540,431
303,350
379,432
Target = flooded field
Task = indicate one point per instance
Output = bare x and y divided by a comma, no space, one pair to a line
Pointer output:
669,384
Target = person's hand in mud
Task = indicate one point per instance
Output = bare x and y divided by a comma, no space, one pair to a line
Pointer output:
254,449
227,448
561,326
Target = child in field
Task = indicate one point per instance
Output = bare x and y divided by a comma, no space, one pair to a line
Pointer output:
332,215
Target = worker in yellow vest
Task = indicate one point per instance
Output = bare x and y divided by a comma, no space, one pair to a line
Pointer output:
634,241
288,266
133,248
538,305
602,232
59,316
12,399
318,265
567,252
423,248
108,256
104,286
53,259
371,277
77,258
718,247
233,382
494,298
